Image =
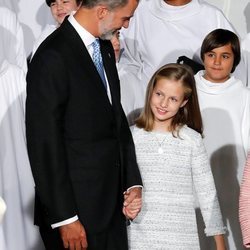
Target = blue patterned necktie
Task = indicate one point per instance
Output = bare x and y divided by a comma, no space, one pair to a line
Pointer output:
97,59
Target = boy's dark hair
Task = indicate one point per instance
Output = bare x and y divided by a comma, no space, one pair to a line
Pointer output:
49,2
221,37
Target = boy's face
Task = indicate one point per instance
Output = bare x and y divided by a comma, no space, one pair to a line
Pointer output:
218,64
62,8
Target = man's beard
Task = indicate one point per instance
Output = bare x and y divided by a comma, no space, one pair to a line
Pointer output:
108,35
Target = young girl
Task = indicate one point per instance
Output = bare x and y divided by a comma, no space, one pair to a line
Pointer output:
225,107
174,167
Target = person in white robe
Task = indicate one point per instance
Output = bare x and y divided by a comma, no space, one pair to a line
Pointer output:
59,10
17,186
13,40
226,115
159,33
225,108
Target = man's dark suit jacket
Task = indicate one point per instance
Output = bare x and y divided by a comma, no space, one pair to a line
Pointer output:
80,146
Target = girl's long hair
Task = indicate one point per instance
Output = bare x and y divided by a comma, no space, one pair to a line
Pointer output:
189,114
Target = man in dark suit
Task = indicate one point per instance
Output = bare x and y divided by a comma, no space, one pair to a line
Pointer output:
80,146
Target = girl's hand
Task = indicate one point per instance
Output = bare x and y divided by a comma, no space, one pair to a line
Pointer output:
132,203
220,242
132,210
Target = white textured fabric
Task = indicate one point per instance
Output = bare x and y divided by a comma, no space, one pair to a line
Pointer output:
12,43
225,109
17,185
167,219
158,34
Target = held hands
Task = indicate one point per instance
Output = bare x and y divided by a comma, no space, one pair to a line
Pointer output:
132,202
74,236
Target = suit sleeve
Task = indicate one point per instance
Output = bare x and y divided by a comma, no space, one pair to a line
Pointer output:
47,93
132,175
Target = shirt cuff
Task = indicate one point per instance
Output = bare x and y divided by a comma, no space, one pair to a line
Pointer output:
65,222
135,186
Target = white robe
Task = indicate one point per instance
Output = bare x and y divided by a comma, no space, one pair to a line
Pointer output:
50,28
17,185
158,34
225,109
12,37
245,47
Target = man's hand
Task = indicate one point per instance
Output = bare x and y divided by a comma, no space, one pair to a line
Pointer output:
132,202
74,236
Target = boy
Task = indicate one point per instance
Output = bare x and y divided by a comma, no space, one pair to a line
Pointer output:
59,10
225,107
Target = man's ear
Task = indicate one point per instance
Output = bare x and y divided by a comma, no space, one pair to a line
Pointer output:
184,103
102,11
79,6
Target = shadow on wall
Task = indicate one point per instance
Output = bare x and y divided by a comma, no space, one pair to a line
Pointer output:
17,188
29,37
7,3
226,164
223,162
43,16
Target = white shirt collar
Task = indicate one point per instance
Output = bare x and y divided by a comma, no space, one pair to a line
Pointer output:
168,12
86,37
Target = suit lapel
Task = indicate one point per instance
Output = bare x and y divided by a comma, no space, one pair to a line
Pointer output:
108,58
76,45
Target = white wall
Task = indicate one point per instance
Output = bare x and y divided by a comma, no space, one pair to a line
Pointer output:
238,13
34,14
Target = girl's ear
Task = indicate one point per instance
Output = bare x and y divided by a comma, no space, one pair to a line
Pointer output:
184,103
